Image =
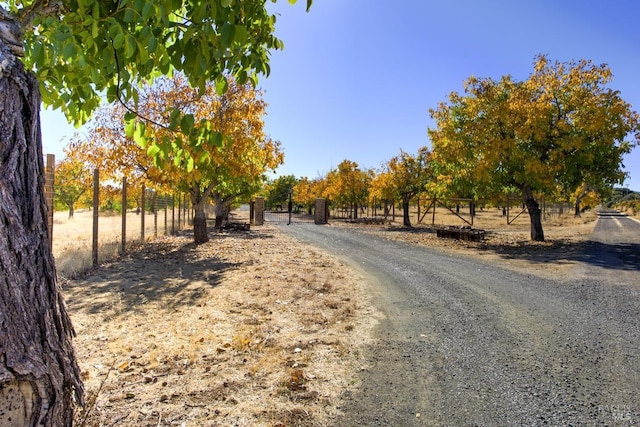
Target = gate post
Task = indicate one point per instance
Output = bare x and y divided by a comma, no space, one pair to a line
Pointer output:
258,211
320,214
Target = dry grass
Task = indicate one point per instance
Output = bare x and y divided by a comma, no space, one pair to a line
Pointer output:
72,237
248,329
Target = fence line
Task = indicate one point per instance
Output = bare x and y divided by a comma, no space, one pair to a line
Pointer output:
94,236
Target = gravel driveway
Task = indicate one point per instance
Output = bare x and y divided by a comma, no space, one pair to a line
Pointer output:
468,343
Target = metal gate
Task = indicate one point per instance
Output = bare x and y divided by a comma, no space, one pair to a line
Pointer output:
318,215
288,216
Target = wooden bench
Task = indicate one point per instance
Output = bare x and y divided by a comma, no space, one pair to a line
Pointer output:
461,233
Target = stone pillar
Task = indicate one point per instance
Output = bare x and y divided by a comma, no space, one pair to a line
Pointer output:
258,211
321,215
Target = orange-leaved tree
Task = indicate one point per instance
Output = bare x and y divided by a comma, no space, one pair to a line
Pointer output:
221,168
73,179
409,176
381,189
348,185
306,191
559,129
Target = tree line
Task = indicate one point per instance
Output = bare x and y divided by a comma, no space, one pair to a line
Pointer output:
561,134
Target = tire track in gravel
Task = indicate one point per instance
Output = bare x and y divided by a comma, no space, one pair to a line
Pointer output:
467,343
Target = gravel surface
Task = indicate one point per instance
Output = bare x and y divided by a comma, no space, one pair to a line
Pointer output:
468,343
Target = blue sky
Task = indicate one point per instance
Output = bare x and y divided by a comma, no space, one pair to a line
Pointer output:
357,77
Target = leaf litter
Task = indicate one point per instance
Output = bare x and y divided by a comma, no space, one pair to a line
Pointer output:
251,328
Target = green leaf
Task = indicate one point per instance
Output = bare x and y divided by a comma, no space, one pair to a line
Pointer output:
129,128
217,139
139,135
241,34
226,3
131,46
187,123
227,33
153,150
37,53
118,41
129,15
152,44
147,10
190,164
221,85
69,51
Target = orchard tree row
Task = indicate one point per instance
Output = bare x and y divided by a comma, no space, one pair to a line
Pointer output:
230,165
561,134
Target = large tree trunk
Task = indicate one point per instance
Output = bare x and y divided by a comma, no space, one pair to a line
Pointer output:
39,375
535,215
200,234
220,209
406,220
70,205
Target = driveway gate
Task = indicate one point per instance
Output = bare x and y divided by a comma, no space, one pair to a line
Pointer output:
297,214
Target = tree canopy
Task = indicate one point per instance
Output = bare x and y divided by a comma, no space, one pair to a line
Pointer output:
409,176
73,179
559,129
226,168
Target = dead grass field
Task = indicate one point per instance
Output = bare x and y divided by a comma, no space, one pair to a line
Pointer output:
252,328
72,237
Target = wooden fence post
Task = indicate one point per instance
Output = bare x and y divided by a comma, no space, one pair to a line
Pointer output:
142,200
96,206
154,204
165,214
49,191
179,210
173,214
123,239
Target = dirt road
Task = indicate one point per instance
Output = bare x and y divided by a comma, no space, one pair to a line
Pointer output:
469,343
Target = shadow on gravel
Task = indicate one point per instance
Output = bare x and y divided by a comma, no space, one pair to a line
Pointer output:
617,257
623,256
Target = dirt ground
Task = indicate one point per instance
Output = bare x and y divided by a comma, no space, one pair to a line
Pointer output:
252,328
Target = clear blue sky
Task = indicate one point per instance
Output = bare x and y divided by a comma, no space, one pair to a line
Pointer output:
357,77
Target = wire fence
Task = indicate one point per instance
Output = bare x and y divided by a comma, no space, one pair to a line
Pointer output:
86,237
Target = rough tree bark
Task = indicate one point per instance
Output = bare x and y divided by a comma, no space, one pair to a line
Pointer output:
220,209
535,215
406,219
200,234
70,205
39,375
